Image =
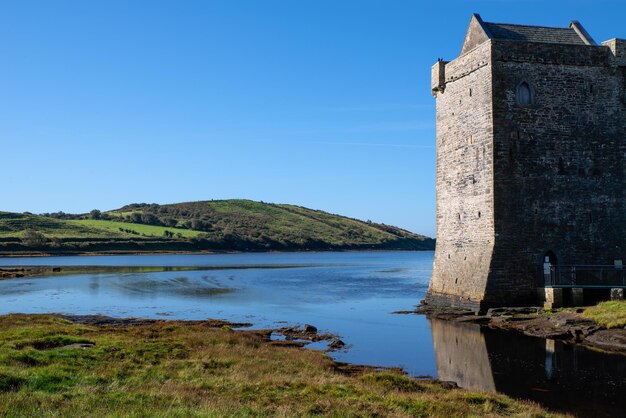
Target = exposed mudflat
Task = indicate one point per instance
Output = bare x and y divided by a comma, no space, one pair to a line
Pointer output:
103,320
14,273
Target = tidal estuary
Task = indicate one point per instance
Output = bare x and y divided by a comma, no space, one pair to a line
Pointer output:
352,295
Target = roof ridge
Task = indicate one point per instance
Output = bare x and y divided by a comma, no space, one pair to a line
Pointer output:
529,26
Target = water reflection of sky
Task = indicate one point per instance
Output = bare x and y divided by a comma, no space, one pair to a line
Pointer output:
349,294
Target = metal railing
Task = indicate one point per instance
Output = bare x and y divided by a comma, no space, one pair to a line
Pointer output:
585,276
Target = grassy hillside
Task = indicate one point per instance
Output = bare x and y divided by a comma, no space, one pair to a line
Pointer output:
237,225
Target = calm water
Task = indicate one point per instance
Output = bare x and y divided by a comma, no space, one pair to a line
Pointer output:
349,294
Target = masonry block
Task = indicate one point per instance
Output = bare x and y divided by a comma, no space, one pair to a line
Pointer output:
617,294
552,298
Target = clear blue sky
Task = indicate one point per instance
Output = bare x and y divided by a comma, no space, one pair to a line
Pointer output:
324,104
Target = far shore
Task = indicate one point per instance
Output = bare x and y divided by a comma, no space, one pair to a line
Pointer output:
165,252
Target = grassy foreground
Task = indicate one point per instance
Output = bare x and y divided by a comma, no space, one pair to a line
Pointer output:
611,314
191,369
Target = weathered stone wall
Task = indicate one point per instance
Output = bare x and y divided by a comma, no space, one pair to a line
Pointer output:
465,225
618,51
515,181
558,163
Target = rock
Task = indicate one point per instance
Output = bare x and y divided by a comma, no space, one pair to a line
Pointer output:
609,339
522,317
289,343
336,344
448,384
546,332
513,311
440,312
79,345
56,269
310,329
474,319
566,319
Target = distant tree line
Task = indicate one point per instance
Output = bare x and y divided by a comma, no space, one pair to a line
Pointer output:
62,215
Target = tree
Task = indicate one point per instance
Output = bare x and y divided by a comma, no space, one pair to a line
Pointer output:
134,218
56,242
33,239
95,214
198,224
149,219
167,221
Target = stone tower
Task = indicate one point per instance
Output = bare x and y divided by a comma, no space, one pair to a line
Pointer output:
531,142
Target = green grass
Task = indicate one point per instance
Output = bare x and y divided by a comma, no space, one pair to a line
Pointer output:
14,225
141,229
181,369
610,314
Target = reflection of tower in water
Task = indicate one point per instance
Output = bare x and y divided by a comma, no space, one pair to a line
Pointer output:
548,364
558,375
461,355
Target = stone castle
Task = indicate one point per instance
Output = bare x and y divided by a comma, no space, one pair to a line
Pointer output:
531,142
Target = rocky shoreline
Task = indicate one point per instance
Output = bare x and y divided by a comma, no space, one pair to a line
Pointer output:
285,336
297,337
567,325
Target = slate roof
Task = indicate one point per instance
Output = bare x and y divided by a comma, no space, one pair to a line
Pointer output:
533,33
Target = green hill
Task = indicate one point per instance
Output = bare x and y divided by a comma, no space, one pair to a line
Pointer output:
221,225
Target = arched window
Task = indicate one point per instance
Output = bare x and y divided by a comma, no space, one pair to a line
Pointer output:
524,94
